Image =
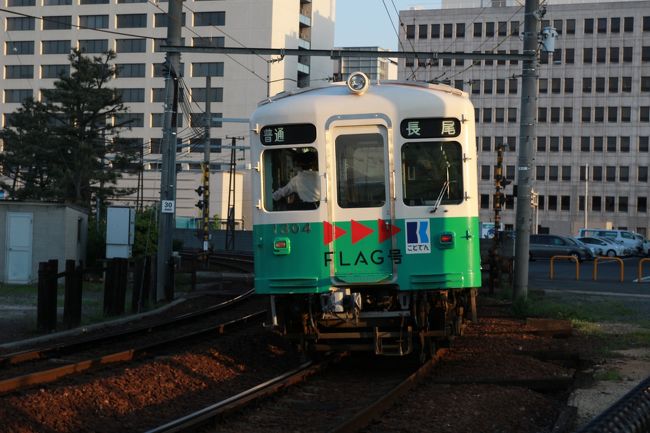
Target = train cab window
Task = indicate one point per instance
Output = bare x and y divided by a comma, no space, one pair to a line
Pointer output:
291,179
360,171
432,173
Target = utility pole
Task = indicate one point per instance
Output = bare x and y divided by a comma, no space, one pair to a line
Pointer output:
164,270
526,141
232,182
206,170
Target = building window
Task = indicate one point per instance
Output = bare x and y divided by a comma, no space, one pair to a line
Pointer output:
643,144
642,204
587,55
626,84
554,144
159,42
57,2
447,31
602,25
589,25
540,172
93,2
552,202
644,114
487,87
628,24
18,95
613,55
609,203
56,47
583,170
219,19
626,114
645,84
581,203
93,21
615,25
624,174
622,204
213,69
542,85
422,30
612,114
132,95
613,84
130,70
598,143
435,31
16,48
512,115
597,173
489,30
569,56
556,85
501,86
160,20
18,3
199,93
642,174
478,30
601,55
93,45
627,54
585,144
586,114
566,173
565,203
541,114
485,172
20,24
19,71
586,85
209,41
555,114
514,28
553,173
624,145
410,29
485,201
645,54
567,115
131,45
566,144
55,71
57,22
571,27
600,84
611,144
487,115
512,86
499,115
486,144
595,203
610,173
132,120
130,21
599,114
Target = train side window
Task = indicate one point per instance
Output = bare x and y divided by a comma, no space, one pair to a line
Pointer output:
291,179
360,171
432,173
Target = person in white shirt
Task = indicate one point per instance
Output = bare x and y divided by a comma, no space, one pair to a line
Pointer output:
305,184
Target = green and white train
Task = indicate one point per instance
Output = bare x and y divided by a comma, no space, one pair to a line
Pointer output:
366,231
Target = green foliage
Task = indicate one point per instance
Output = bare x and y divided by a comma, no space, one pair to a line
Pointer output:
59,149
96,246
609,374
146,232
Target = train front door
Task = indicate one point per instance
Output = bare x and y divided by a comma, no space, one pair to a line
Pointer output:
359,231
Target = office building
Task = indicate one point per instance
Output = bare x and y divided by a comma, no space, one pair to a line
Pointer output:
376,68
40,34
590,152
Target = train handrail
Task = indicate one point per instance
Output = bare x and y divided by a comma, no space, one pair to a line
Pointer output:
572,258
600,259
640,269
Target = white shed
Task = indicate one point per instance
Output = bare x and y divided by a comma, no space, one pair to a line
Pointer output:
33,232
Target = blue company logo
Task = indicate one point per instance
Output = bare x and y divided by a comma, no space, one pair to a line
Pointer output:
418,239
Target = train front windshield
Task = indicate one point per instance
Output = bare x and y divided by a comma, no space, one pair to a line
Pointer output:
432,173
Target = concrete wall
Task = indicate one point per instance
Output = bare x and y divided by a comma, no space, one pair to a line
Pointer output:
58,232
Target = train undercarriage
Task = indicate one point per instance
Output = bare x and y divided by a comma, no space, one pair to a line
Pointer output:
379,319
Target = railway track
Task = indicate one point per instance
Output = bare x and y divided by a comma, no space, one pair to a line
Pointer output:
33,367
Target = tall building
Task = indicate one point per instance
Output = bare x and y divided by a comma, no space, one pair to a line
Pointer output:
591,154
39,34
376,68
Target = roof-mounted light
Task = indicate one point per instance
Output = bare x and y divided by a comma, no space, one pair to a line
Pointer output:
358,83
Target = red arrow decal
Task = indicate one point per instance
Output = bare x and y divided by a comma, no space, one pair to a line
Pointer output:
386,230
328,236
359,231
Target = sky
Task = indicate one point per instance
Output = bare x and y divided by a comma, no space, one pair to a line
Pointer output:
366,22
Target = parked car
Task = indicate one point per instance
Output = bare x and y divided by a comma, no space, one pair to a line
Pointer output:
606,248
621,250
556,245
595,247
624,237
645,245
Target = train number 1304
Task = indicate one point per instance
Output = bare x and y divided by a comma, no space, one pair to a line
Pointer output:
285,229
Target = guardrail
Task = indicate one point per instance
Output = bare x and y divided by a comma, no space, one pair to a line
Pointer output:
640,271
572,258
601,259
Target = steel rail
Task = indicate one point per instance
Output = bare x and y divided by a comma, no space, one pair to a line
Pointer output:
69,347
240,400
53,374
365,416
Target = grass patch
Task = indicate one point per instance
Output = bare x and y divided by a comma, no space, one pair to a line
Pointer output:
609,374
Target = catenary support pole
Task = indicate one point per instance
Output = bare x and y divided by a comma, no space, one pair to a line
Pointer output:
168,175
525,156
206,169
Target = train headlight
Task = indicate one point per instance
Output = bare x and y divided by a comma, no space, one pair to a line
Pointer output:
358,83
